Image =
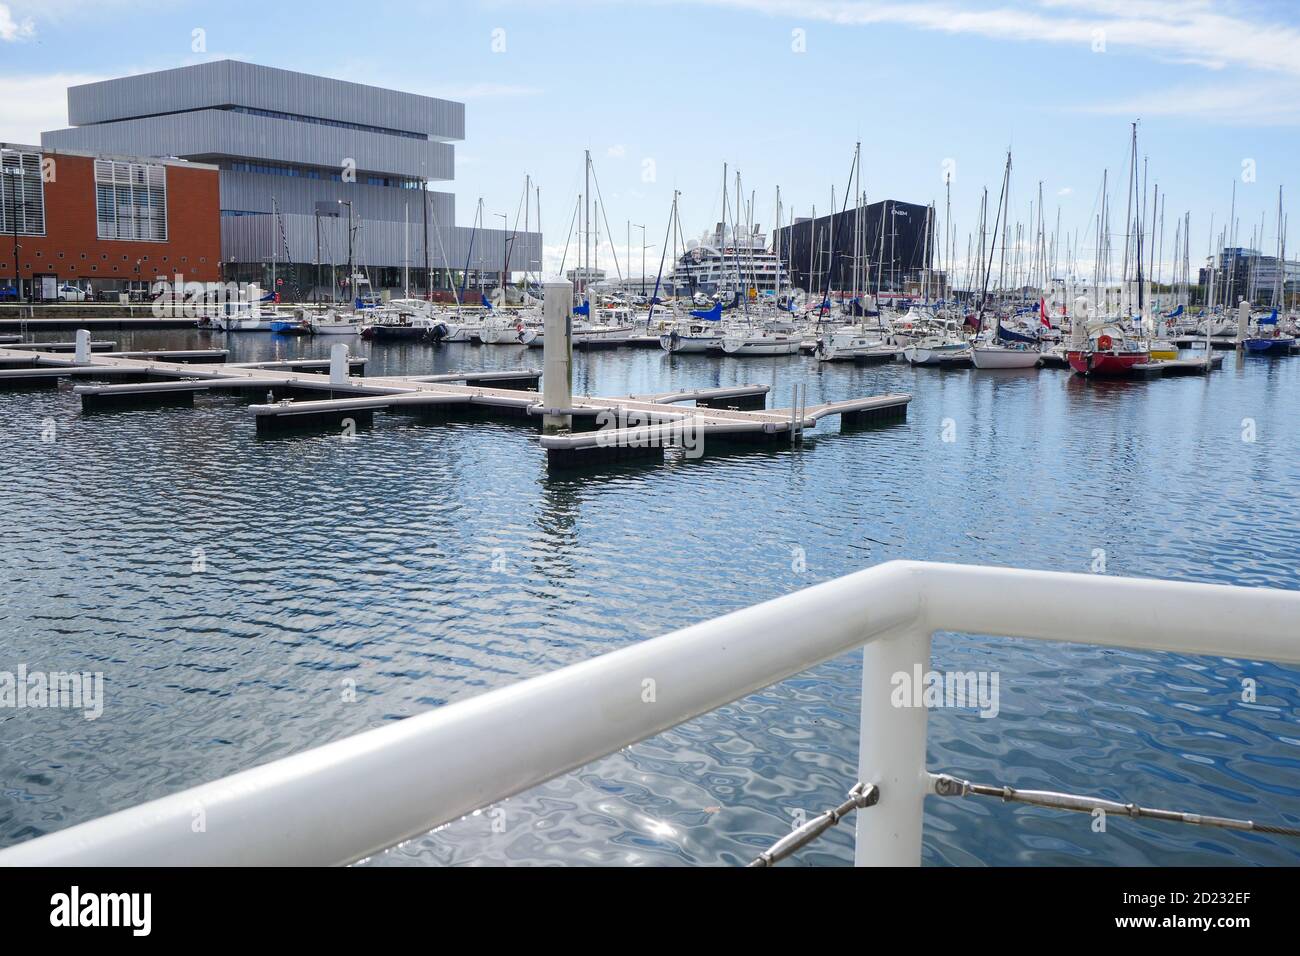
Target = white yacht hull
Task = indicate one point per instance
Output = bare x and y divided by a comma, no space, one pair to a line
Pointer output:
1005,358
839,347
499,335
689,343
236,323
463,333
762,345
335,327
921,355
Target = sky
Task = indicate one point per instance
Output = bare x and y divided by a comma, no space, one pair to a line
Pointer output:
664,92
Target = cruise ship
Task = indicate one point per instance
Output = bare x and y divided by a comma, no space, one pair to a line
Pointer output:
726,262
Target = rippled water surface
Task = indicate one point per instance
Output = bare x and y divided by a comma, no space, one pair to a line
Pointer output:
428,563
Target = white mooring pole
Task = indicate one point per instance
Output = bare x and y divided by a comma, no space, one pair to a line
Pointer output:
557,354
1243,322
82,353
339,364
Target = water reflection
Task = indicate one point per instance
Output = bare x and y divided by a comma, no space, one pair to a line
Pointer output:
428,562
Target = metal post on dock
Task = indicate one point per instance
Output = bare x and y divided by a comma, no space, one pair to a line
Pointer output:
339,364
82,352
557,355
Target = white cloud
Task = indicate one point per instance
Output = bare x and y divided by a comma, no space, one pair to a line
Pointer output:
1065,191
11,29
617,151
1274,103
36,103
1202,31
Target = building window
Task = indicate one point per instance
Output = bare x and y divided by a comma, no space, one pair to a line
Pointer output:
320,121
22,193
131,200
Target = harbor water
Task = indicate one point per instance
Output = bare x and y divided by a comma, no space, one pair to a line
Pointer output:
248,598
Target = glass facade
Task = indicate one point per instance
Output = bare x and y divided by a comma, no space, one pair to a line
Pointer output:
22,193
131,200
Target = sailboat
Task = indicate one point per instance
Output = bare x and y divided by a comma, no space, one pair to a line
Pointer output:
1106,349
700,330
999,349
290,325
253,315
770,339
1269,338
946,348
848,342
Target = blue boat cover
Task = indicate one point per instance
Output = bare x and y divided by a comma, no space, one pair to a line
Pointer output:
713,315
1007,335
584,309
1271,320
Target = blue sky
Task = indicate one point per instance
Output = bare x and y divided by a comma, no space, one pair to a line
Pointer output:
780,90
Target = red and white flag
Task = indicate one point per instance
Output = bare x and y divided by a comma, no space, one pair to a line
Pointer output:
1042,313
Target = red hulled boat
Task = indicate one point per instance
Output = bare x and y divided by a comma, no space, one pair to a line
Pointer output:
1107,357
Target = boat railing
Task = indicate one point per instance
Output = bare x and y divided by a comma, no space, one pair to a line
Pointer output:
350,799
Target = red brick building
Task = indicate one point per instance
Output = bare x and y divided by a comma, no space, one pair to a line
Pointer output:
107,223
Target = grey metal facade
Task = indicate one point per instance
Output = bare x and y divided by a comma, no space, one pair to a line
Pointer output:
291,141
253,192
213,135
235,83
394,244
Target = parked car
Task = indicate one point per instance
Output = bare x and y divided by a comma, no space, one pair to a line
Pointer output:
71,293
8,294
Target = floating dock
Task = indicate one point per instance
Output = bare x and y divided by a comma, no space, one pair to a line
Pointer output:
1179,366
1223,343
328,393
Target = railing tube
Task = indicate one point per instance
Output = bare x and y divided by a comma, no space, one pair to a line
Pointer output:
891,753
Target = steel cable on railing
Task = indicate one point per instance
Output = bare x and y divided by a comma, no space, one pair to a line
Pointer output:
862,795
948,786
866,795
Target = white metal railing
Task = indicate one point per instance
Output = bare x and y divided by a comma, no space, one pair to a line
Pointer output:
347,800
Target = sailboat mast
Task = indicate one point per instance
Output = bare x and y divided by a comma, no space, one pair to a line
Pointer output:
777,290
586,221
947,229
424,210
857,224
